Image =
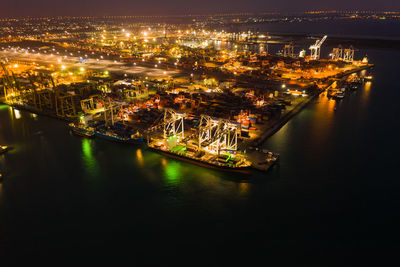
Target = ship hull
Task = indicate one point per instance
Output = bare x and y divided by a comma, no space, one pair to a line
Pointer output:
109,138
135,141
82,134
243,170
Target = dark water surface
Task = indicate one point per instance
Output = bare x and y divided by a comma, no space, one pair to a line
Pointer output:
336,191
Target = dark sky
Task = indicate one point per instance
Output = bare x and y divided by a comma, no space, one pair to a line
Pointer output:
18,8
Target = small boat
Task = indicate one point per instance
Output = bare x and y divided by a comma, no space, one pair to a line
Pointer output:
353,86
339,95
82,130
368,78
3,149
270,155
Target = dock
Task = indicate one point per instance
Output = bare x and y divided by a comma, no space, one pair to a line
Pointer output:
262,160
220,111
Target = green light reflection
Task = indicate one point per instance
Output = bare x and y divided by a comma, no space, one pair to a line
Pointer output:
90,162
4,107
172,171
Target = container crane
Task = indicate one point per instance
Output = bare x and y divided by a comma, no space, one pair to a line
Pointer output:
217,135
337,53
288,50
8,83
348,54
173,123
316,48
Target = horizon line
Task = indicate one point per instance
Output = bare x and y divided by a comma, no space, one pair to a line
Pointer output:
309,12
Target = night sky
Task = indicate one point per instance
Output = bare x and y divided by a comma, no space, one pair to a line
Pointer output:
20,8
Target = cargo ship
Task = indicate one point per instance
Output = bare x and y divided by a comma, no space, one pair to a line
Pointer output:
128,133
135,140
109,135
117,135
225,161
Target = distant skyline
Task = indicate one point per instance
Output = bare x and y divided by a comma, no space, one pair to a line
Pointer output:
38,8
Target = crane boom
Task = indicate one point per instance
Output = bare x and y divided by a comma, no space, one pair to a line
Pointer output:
322,40
316,48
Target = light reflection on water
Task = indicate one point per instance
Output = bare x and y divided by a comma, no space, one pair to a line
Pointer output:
244,188
90,162
322,122
139,157
172,171
182,179
2,107
365,94
35,116
17,114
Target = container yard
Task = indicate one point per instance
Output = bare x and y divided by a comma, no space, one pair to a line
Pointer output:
179,92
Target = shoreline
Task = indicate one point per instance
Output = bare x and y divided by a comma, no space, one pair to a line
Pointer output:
276,126
37,112
247,144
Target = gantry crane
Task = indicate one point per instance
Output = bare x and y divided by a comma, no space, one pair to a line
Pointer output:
316,48
8,83
88,107
65,105
12,89
337,53
288,50
348,54
217,135
173,123
110,108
